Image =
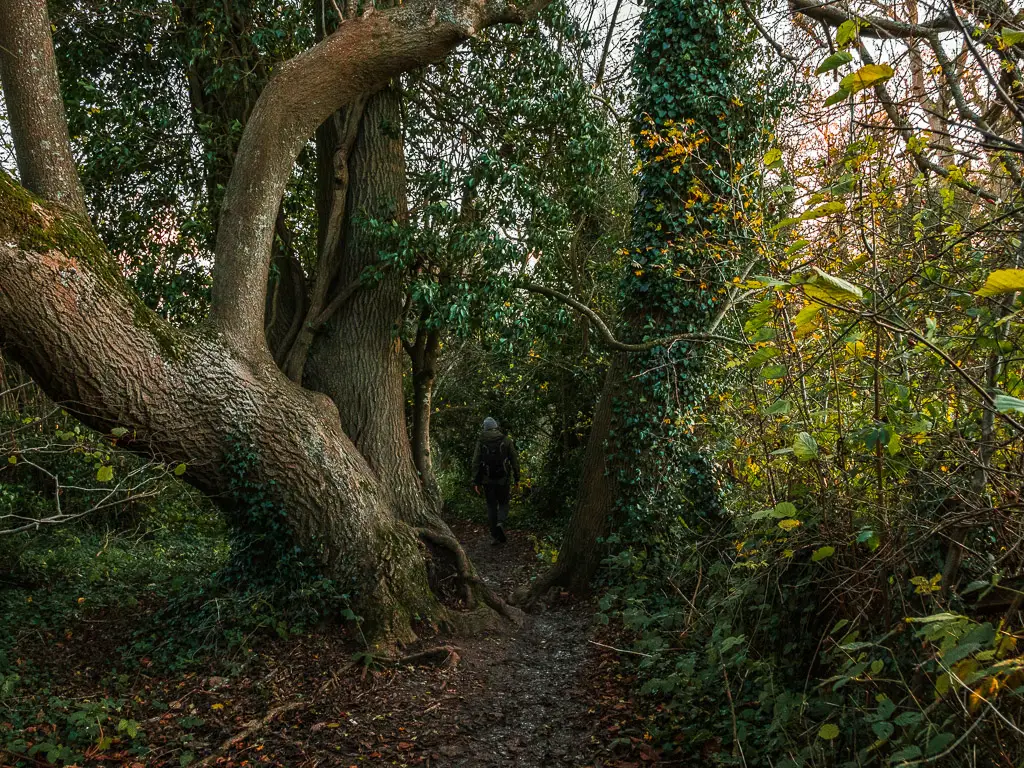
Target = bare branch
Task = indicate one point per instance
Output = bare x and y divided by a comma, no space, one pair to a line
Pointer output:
609,338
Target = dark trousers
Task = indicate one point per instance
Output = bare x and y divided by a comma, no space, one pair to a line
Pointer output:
497,506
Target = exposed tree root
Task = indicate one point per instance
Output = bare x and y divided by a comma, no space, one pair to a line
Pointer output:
527,595
251,728
475,587
441,656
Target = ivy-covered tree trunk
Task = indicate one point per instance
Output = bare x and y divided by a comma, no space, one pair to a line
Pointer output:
342,473
692,127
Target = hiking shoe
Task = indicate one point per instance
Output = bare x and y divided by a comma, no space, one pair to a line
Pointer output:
502,538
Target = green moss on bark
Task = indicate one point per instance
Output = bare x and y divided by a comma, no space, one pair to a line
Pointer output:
32,224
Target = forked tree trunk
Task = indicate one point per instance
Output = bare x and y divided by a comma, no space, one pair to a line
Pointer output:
358,360
69,317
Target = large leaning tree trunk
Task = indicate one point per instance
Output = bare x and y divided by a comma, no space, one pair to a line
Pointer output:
70,318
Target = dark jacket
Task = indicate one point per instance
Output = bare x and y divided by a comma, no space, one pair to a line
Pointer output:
490,436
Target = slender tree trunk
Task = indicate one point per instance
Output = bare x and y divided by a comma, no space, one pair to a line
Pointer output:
28,71
423,353
580,553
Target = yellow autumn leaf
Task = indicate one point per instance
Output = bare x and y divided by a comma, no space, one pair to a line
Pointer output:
789,524
1002,281
866,76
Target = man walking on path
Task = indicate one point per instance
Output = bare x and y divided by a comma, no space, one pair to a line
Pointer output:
496,468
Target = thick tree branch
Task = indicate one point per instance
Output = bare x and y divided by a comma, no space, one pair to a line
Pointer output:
361,57
834,14
35,108
609,338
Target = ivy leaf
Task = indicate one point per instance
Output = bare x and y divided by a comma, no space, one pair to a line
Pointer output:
822,553
866,76
834,61
1002,281
805,447
1007,404
828,731
105,473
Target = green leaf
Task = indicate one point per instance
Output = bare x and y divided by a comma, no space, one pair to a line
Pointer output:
831,289
804,447
825,209
834,61
772,372
1002,281
105,473
866,76
179,470
799,245
883,730
1007,404
907,753
807,314
784,509
847,32
822,553
773,157
828,731
1012,36
762,356
778,408
841,95
12,460
119,431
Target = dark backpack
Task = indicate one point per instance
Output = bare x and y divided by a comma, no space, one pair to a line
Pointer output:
494,459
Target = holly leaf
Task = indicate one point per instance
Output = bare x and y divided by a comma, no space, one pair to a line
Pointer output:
847,32
1002,281
841,95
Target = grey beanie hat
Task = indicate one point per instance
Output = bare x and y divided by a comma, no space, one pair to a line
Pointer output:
490,423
